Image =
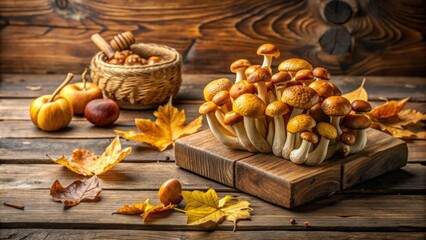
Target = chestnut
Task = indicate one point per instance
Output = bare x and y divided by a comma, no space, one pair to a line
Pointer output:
102,112
170,192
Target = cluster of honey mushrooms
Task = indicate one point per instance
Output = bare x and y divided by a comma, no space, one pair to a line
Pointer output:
296,113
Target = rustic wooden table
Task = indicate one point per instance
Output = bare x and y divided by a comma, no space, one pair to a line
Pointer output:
390,206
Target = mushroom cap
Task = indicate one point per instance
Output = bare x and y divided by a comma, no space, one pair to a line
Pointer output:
294,64
276,108
325,89
361,106
249,105
356,121
251,69
309,136
215,86
268,49
300,96
232,118
321,73
207,107
348,138
336,106
259,75
304,74
300,123
221,98
280,76
240,64
240,88
327,130
317,113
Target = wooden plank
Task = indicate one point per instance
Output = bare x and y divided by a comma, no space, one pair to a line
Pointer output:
14,85
124,176
205,155
343,213
70,234
211,35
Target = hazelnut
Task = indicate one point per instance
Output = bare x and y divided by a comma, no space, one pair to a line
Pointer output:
144,61
119,56
115,61
154,60
133,59
170,192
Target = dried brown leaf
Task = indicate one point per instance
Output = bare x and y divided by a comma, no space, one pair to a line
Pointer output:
389,109
146,210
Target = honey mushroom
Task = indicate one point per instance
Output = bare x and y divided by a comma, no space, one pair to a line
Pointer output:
325,89
251,107
293,65
279,79
327,132
235,120
268,51
239,67
241,88
305,76
223,100
260,76
359,123
300,123
209,109
300,98
250,70
276,110
321,73
300,154
336,107
342,146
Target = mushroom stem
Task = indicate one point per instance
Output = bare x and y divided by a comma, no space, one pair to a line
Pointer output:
242,136
256,139
270,136
267,60
262,91
317,156
262,126
360,141
239,75
296,111
288,146
335,121
227,128
279,136
299,155
344,149
218,132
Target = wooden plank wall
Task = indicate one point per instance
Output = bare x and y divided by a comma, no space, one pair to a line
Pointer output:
367,37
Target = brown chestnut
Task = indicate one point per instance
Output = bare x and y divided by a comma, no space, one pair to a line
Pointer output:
102,112
170,192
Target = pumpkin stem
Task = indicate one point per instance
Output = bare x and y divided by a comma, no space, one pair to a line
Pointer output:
64,83
83,77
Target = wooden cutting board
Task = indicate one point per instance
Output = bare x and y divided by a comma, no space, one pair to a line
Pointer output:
280,181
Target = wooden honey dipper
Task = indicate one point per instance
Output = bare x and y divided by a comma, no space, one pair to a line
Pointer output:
119,42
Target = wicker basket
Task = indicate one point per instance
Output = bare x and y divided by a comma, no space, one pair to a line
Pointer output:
143,86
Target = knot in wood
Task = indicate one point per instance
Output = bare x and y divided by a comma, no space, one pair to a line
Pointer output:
336,41
337,12
62,4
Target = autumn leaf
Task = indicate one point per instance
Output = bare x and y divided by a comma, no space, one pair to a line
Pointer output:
206,208
169,126
76,192
389,109
357,94
87,163
145,209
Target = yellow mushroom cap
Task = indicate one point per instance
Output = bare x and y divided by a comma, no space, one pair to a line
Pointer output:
249,105
294,65
232,118
251,69
300,123
309,136
259,75
268,49
221,98
215,86
336,106
238,64
300,96
325,89
240,88
327,130
207,107
276,108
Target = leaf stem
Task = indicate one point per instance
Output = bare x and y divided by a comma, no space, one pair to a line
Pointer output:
179,210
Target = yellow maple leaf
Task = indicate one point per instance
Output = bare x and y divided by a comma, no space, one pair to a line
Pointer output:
145,209
357,94
87,163
169,126
206,208
389,109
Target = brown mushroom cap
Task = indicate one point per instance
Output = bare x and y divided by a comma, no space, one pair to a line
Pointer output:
300,123
336,106
240,64
294,64
207,107
240,88
249,105
300,96
280,76
259,75
325,89
317,113
268,49
232,118
215,86
361,106
251,69
221,98
348,138
321,73
276,108
327,130
304,74
356,121
309,136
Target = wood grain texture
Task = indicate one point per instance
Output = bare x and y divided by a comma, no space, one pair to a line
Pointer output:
78,234
210,36
346,213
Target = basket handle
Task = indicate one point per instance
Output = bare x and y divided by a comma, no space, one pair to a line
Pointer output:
103,45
